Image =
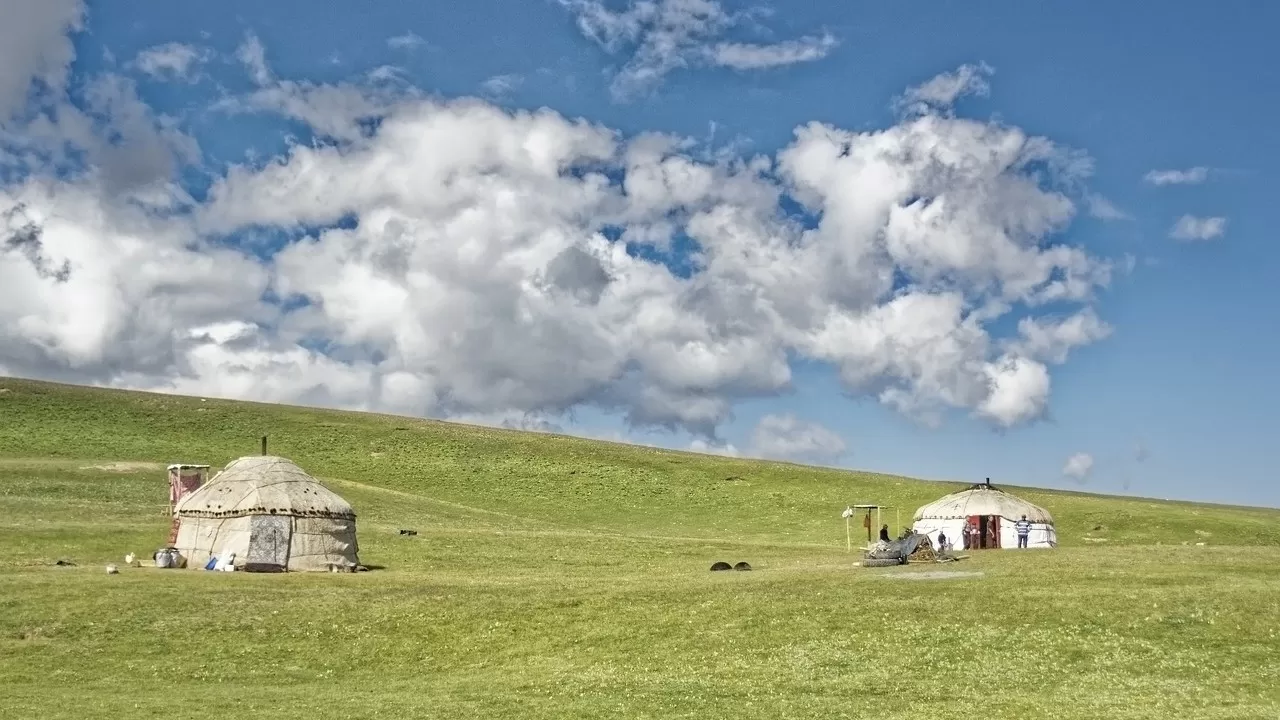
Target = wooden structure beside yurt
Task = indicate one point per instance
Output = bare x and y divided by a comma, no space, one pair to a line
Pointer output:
271,515
989,515
184,479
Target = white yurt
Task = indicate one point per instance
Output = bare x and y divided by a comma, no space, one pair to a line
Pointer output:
990,513
272,515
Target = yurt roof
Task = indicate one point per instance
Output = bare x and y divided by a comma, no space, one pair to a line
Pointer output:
263,485
983,500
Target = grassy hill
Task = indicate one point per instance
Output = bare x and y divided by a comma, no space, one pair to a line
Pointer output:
560,577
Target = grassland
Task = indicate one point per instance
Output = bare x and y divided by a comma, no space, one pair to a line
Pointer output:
556,577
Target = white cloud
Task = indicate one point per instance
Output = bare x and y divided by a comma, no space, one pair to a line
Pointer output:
1018,391
331,110
1051,340
942,91
171,61
254,57
1103,209
34,46
667,35
477,279
1078,466
748,56
785,437
407,41
1189,228
130,150
500,86
1192,176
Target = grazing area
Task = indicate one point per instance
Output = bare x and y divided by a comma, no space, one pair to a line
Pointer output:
556,577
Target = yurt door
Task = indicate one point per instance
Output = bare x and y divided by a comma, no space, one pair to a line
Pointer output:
269,537
987,532
972,539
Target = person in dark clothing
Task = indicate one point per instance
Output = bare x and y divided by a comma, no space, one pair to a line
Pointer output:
942,541
884,533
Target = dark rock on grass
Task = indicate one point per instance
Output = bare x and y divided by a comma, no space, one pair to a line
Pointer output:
721,566
744,565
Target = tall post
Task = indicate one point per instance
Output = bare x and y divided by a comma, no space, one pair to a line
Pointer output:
848,535
264,444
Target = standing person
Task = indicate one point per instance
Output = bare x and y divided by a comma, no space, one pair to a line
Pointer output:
942,541
1024,529
884,533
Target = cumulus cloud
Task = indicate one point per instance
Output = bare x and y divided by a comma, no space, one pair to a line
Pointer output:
1078,466
663,36
786,437
1052,339
1191,176
457,259
35,48
1190,228
500,86
171,61
100,125
332,110
942,91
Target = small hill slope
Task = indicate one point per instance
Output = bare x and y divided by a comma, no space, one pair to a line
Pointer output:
544,479
563,578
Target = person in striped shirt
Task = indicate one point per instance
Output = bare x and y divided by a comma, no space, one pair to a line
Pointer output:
1024,529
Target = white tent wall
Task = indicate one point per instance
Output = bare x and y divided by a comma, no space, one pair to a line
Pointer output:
1042,535
200,539
312,543
318,543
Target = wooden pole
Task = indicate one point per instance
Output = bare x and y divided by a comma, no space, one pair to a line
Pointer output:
848,536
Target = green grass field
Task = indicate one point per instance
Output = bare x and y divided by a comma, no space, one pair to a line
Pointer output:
555,577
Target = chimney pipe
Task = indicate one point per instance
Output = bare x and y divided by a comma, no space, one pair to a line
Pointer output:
264,444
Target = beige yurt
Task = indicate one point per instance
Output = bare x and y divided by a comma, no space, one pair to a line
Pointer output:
990,515
272,515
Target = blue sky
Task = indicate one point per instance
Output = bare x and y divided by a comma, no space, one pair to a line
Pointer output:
1176,401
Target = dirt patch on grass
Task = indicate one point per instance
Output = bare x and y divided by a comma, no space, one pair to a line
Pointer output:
935,575
125,467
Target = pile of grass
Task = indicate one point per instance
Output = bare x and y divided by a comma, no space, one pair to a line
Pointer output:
555,577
